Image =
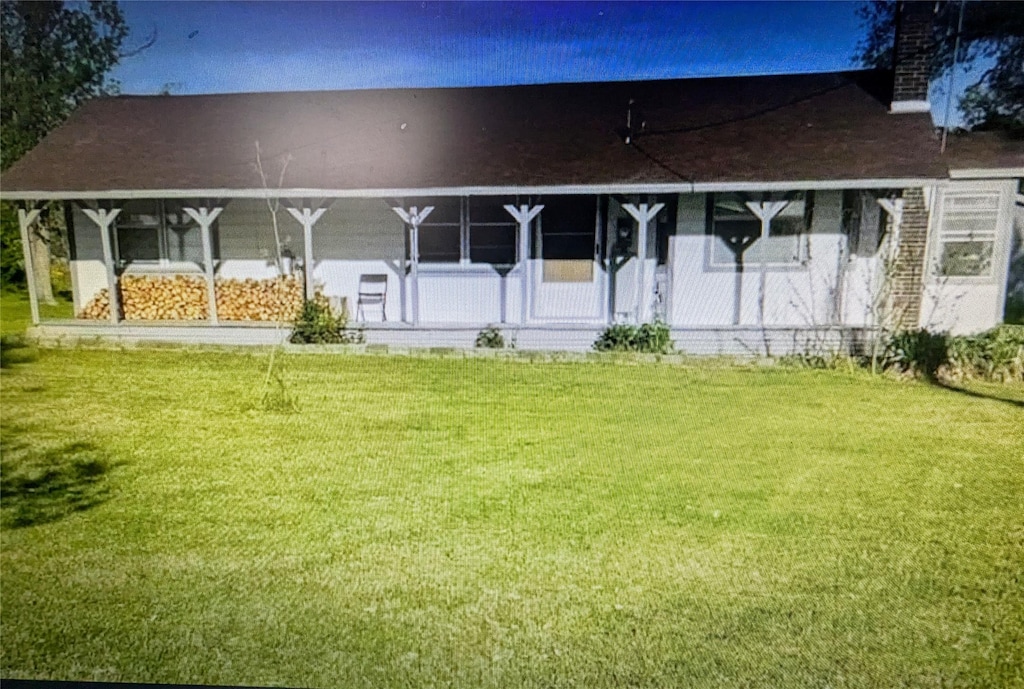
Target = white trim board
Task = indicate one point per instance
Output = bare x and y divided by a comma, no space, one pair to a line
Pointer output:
660,188
987,173
902,107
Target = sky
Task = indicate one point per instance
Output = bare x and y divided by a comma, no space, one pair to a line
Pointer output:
218,47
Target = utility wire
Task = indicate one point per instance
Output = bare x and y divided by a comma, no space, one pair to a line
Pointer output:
952,72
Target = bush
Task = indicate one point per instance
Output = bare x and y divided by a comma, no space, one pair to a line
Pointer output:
490,338
996,355
316,324
12,260
916,352
653,338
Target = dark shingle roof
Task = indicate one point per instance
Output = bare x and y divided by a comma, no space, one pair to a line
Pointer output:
739,129
983,150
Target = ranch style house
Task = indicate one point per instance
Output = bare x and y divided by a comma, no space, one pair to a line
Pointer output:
747,213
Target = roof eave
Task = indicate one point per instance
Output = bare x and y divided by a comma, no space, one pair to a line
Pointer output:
645,188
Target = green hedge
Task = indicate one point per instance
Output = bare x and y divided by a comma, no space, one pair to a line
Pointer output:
995,355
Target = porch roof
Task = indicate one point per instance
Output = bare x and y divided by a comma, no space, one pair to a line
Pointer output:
737,130
985,154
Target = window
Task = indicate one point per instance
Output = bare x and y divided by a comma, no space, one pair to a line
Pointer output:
967,234
665,225
492,231
154,231
440,236
474,229
738,230
568,227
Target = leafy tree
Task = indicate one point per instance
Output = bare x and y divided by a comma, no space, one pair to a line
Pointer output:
53,56
992,31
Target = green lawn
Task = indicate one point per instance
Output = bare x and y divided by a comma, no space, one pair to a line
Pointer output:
448,522
16,316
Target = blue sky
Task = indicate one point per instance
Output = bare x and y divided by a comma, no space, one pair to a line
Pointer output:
214,47
205,47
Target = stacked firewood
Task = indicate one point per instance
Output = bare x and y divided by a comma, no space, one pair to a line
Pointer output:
98,307
158,298
276,299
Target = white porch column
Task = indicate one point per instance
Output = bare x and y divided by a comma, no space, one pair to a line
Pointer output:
765,211
524,215
104,217
413,217
205,216
27,216
307,217
643,214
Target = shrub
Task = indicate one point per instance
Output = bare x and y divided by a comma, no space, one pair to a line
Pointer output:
652,338
996,355
490,338
316,324
916,352
617,338
60,277
12,261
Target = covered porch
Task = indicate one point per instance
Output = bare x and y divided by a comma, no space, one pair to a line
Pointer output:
572,262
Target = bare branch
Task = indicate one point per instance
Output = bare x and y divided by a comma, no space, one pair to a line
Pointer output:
146,44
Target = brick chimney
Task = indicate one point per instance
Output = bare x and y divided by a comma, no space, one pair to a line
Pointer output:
912,56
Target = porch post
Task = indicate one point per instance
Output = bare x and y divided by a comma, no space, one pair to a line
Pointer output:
413,217
765,211
104,217
524,215
643,214
205,216
27,216
894,208
307,217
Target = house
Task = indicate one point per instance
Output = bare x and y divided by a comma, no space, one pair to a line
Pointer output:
751,214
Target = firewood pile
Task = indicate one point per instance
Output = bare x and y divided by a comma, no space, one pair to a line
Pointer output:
98,307
159,298
276,299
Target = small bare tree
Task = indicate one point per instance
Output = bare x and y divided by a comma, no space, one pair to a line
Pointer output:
275,395
273,204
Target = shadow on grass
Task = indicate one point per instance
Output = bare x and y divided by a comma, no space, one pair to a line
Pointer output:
15,350
976,394
39,487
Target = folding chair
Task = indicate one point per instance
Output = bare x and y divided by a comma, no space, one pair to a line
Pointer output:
373,291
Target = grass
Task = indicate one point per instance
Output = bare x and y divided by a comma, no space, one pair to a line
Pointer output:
15,316
445,522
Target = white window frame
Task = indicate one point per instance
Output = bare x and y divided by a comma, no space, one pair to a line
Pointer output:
802,239
992,235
